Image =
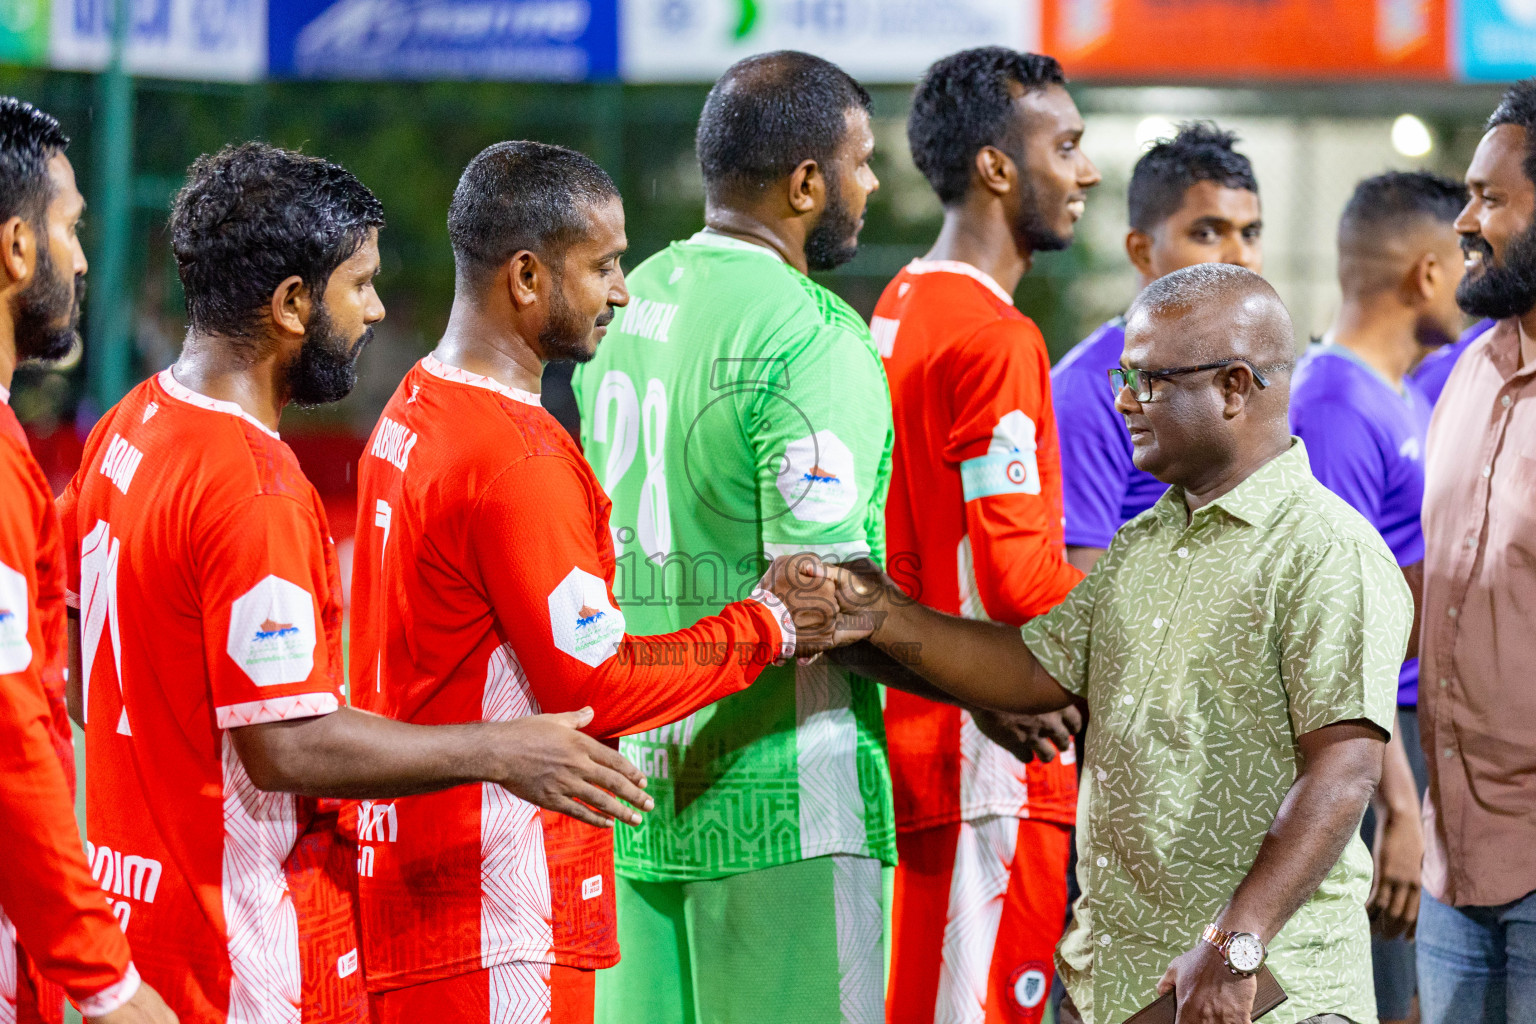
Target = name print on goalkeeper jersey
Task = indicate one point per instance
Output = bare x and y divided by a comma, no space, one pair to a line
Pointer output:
209,599
483,590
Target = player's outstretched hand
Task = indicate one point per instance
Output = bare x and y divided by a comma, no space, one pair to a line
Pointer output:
146,1007
551,763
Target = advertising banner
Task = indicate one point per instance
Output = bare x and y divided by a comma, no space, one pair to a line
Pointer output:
223,40
874,40
1496,39
550,40
1241,39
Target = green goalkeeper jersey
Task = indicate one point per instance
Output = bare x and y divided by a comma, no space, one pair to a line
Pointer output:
737,410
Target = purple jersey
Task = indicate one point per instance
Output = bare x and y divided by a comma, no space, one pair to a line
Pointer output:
1101,487
1435,369
1366,443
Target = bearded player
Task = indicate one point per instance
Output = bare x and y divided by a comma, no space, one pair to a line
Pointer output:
484,589
737,409
974,519
210,623
57,934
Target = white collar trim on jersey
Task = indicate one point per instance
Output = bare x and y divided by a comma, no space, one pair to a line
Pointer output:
719,241
5,395
437,368
956,267
179,391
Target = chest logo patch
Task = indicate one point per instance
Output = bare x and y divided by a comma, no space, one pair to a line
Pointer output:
272,632
816,478
584,623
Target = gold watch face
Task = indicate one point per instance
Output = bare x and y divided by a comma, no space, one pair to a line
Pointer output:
1245,953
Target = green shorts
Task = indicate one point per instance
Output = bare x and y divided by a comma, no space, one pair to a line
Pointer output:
792,944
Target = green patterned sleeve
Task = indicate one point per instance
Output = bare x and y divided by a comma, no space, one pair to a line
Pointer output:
823,440
1059,639
1344,622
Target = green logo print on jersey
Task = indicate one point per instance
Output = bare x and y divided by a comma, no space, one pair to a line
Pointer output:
737,411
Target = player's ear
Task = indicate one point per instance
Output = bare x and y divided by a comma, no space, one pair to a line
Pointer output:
995,170
1424,278
807,187
16,241
1138,246
523,274
291,303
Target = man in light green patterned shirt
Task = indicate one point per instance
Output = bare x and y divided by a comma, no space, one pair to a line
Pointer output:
1238,649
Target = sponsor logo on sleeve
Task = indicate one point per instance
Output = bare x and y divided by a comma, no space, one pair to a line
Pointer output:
1010,465
15,650
272,632
591,888
817,479
585,624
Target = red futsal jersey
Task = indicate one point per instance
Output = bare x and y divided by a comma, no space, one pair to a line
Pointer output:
973,524
483,591
55,926
209,599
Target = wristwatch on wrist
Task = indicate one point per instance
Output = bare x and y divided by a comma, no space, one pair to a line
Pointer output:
1243,951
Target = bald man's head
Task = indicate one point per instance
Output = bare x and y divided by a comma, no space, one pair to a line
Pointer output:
1223,311
1229,323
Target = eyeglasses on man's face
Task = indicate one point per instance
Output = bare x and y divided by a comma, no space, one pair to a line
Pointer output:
1140,381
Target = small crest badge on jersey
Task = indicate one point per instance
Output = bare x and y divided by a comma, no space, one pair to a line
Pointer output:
1028,987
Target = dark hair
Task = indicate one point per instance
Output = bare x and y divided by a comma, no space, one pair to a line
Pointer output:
29,138
964,103
252,215
1198,152
769,113
521,195
1518,106
1391,201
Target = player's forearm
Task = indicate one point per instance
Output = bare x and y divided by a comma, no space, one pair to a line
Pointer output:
655,680
982,664
59,912
353,754
1317,819
869,660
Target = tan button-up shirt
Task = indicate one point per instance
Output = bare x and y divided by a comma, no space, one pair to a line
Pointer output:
1477,673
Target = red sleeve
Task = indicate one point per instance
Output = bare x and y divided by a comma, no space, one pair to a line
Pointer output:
70,531
46,889
264,591
1001,386
534,547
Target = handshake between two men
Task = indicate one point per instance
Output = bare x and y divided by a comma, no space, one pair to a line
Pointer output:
857,617
861,619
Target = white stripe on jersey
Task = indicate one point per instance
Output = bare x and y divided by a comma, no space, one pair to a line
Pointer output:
977,887
8,970
260,830
826,751
516,921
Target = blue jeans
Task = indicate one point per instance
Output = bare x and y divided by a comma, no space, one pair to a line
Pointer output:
1477,965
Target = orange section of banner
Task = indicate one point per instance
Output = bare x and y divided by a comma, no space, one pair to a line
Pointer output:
1222,40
